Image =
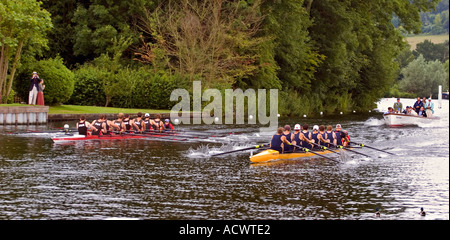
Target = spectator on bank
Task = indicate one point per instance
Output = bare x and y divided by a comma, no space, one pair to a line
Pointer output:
40,94
34,86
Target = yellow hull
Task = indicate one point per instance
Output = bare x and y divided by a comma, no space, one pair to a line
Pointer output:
270,155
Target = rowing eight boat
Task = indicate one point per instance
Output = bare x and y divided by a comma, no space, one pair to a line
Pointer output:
77,137
270,154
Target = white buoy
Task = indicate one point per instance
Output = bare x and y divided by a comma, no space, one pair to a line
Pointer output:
66,128
250,117
216,119
354,111
278,115
321,113
341,113
176,121
370,110
304,115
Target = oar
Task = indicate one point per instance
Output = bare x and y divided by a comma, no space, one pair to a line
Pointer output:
341,147
311,151
242,149
363,145
323,147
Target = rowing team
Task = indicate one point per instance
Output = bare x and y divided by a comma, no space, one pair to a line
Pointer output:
123,123
283,141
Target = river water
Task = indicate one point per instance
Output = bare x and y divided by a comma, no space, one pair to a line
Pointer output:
155,179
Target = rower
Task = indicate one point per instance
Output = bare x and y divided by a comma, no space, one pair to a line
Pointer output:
137,122
330,136
278,140
83,126
296,135
110,125
322,136
168,125
314,136
305,136
147,123
118,124
127,122
157,124
289,137
99,126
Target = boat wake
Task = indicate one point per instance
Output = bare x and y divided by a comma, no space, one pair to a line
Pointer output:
373,122
206,151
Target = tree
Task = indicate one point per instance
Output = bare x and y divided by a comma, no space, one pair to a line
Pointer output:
214,39
423,78
23,24
431,51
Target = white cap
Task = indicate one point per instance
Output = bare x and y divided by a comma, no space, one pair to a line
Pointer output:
147,115
338,126
297,127
316,127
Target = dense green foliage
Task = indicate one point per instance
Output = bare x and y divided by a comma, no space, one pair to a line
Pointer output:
323,55
23,28
58,80
422,77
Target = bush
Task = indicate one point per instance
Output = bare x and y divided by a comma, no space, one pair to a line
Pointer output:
88,90
58,80
153,89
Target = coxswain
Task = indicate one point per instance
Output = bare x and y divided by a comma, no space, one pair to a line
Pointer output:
305,136
168,125
342,137
127,122
83,126
157,124
289,137
147,123
296,134
278,141
99,126
137,122
118,123
330,136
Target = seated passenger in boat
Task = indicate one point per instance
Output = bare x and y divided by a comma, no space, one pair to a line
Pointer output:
422,112
389,111
429,108
410,111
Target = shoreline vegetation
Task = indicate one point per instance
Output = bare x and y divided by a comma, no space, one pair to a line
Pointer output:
75,109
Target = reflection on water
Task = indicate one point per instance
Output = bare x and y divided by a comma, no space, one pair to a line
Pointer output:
150,179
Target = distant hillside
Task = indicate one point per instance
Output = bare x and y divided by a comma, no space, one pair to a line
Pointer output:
434,22
414,40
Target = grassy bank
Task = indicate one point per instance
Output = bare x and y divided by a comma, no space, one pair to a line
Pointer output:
75,109
414,40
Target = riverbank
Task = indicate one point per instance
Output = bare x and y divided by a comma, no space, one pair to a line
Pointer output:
73,112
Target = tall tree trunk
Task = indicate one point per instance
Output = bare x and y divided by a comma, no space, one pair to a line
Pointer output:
14,68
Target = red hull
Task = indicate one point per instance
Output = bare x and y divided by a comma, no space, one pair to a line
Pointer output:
103,137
